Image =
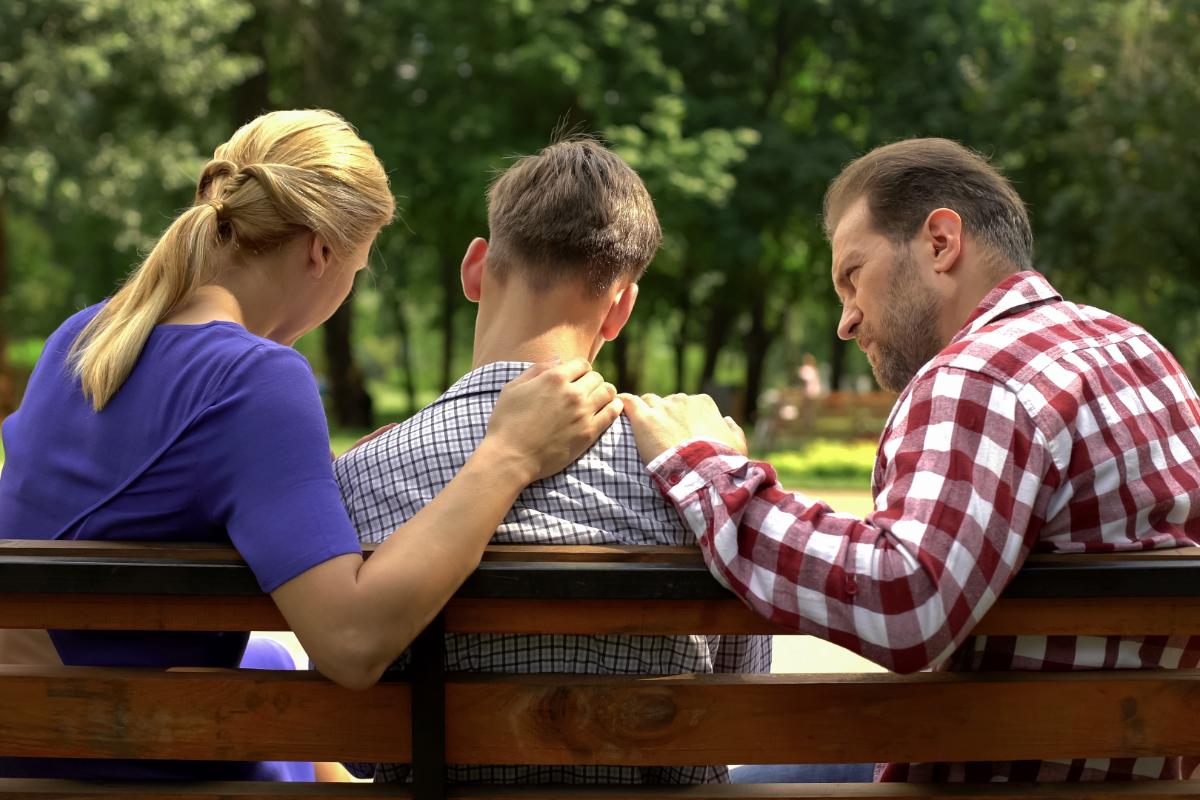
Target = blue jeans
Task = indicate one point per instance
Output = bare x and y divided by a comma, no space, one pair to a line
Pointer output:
803,773
270,654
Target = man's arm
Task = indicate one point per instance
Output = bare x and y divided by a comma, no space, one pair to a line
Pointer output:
964,480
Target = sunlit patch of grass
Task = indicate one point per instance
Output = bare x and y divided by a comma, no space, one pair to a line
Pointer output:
825,463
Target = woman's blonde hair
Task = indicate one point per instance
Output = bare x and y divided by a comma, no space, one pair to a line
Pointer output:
284,173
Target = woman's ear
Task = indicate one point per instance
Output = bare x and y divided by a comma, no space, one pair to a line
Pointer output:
473,264
320,255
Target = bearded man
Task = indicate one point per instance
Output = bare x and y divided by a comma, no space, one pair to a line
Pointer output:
1024,422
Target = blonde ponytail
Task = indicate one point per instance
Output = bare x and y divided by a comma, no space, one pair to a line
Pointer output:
106,350
280,175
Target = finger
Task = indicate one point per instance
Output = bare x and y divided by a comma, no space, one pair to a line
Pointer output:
537,369
572,370
635,407
376,434
589,383
602,394
651,399
738,433
607,415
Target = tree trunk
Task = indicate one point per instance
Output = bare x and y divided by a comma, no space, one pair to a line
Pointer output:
682,333
715,333
758,343
8,399
451,288
626,379
321,31
351,404
406,362
252,96
681,345
837,362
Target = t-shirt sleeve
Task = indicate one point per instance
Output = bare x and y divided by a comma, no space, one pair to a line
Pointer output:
265,472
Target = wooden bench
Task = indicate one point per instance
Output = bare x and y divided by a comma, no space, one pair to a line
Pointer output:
790,417
433,718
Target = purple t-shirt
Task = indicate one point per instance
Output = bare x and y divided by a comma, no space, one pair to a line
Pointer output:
216,435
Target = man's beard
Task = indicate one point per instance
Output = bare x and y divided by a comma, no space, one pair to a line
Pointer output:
908,324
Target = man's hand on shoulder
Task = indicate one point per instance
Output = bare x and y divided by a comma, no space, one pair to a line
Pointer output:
365,439
660,423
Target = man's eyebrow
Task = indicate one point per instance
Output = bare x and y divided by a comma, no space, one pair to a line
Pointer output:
851,259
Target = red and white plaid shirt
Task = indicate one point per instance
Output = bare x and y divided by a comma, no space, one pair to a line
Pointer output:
1043,425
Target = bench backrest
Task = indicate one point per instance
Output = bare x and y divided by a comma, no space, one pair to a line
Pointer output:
432,718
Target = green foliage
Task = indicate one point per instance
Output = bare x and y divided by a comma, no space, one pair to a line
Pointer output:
825,463
736,113
104,115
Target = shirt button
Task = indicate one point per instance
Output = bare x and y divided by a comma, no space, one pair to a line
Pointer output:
851,586
674,478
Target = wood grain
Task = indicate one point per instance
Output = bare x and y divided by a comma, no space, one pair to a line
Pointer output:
551,719
1159,616
205,551
95,712
819,719
245,790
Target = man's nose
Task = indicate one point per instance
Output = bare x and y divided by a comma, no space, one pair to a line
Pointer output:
848,325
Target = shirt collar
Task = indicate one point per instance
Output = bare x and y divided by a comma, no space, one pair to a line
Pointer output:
1014,293
488,379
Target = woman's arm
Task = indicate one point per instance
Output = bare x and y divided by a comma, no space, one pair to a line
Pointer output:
354,618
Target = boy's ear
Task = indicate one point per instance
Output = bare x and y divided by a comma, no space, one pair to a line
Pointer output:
472,268
319,255
618,312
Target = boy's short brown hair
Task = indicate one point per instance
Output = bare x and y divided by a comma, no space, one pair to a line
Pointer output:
574,211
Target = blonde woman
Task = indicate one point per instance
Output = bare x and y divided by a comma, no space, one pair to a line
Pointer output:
177,410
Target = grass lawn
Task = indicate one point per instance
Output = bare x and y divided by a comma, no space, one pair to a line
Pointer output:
837,472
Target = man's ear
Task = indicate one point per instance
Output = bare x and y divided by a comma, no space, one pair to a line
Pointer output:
618,312
472,268
943,235
320,254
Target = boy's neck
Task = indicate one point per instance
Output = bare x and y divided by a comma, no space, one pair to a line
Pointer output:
515,323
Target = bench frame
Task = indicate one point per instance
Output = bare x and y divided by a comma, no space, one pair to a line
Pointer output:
603,590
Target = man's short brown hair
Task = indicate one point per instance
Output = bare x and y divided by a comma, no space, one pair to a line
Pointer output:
906,180
574,211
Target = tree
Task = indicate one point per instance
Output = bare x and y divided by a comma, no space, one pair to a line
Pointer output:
87,91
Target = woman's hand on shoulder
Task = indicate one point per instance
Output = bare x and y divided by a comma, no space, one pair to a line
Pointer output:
550,414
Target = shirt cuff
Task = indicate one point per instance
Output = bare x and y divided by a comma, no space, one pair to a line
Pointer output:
687,467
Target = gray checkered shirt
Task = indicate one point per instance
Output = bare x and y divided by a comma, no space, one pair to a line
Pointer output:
606,497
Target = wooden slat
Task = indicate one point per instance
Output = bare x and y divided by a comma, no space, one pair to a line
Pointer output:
93,712
819,719
617,554
1153,616
548,719
1143,790
634,617
205,551
156,551
213,552
1093,616
1169,554
104,612
245,790
42,788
